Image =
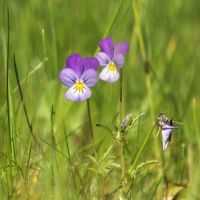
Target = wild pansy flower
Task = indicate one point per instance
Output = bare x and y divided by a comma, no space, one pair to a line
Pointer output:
80,74
111,58
166,127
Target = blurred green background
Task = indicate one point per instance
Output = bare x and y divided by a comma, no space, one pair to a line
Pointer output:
42,35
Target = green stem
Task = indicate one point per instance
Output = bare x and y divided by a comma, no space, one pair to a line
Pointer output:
8,93
111,22
138,30
120,96
69,158
122,158
141,149
120,116
90,121
195,122
147,68
144,57
150,95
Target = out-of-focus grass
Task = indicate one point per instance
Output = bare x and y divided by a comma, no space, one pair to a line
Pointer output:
47,32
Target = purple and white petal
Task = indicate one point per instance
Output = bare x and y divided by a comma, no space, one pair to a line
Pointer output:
121,48
89,77
165,144
166,127
90,63
107,46
166,135
75,62
103,59
75,95
68,77
118,59
109,76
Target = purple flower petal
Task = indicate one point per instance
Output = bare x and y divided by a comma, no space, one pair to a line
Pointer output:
121,48
75,62
89,77
166,134
103,58
90,63
118,59
75,95
68,77
107,46
109,76
166,127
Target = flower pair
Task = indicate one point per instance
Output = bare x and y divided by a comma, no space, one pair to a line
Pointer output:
80,73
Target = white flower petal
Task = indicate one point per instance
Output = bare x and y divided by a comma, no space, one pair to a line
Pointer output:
76,95
108,75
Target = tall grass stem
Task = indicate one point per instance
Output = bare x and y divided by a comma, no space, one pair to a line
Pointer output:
8,93
25,110
195,122
133,166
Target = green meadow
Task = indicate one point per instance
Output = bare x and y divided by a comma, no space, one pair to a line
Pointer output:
46,148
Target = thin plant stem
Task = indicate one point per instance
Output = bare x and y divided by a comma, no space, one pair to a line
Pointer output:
69,158
25,109
111,22
122,158
120,96
144,57
195,123
8,92
141,149
147,68
120,116
90,122
138,30
157,151
7,78
150,95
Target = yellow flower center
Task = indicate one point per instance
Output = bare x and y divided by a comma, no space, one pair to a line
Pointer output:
112,67
79,86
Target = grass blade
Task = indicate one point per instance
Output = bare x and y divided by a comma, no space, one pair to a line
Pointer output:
24,108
